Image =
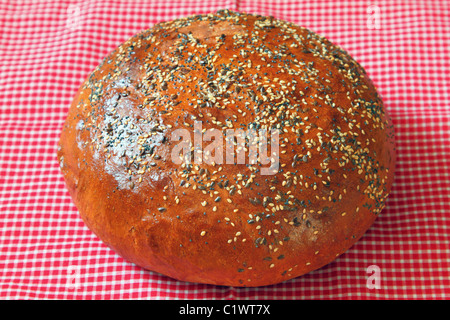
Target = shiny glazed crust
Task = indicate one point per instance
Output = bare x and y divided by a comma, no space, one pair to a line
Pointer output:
228,224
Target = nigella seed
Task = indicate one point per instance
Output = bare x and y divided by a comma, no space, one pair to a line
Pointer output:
161,209
184,70
255,201
147,149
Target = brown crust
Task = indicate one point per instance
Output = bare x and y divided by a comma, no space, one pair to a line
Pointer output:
228,70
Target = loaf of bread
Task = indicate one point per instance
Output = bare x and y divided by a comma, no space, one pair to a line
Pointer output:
151,182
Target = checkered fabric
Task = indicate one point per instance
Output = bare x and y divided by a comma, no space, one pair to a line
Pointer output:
47,49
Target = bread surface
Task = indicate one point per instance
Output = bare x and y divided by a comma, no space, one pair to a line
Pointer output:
227,223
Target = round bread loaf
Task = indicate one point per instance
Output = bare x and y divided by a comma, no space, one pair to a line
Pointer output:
181,207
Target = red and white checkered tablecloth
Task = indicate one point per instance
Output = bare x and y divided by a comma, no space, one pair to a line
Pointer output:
47,48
